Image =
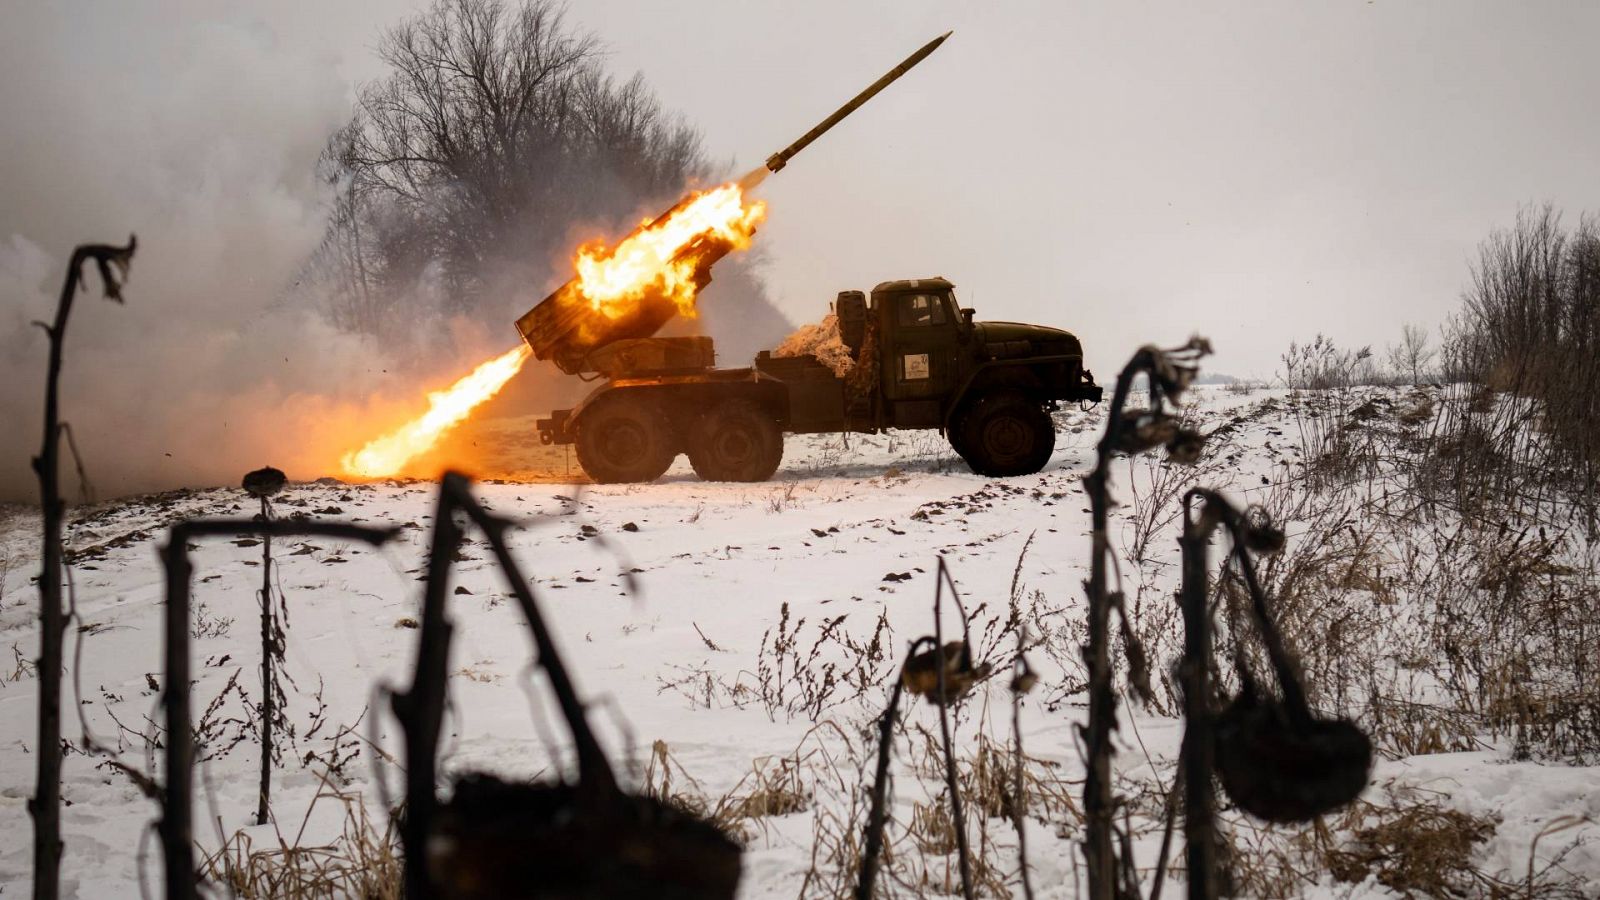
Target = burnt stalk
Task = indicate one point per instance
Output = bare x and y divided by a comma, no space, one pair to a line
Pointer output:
176,828
1098,850
268,655
957,816
1168,373
1196,754
45,805
420,709
1022,679
873,837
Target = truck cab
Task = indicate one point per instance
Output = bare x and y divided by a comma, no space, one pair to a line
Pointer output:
934,358
922,349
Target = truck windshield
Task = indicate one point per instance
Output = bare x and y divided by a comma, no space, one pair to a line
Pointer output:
919,310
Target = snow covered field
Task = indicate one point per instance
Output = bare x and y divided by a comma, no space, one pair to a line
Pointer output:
683,673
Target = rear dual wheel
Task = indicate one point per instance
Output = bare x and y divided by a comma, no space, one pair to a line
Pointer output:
623,439
737,440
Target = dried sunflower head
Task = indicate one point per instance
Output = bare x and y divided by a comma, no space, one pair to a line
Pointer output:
1142,429
1174,370
1260,535
920,675
1023,678
1185,446
1281,771
264,482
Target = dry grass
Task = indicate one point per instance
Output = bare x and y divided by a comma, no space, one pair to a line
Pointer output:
1421,850
1410,843
774,786
363,862
919,857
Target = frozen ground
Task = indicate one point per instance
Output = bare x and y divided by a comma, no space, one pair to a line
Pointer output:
851,532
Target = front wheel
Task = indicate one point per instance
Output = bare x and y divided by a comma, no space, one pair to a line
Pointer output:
1004,434
624,439
737,440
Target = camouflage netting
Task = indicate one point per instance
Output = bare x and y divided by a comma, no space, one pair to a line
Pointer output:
822,341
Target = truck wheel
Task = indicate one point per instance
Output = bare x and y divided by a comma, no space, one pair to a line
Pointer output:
736,441
1004,434
624,439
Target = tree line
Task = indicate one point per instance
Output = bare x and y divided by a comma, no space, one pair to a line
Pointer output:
495,142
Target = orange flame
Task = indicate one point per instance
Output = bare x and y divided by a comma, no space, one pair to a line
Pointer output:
652,260
387,455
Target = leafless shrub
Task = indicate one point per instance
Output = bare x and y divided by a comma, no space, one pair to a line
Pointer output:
987,781
918,850
778,501
1322,366
704,687
836,851
1154,487
828,451
800,674
1332,406
1529,328
218,730
1419,848
1410,359
208,624
22,666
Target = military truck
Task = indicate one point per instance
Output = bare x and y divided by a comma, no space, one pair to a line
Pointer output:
919,361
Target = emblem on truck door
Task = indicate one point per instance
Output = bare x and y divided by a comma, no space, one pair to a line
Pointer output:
914,366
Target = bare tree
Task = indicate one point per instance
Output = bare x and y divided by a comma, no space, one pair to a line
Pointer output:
1530,329
469,164
1412,356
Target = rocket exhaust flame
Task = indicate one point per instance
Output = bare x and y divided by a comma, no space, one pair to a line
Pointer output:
652,260
387,455
613,280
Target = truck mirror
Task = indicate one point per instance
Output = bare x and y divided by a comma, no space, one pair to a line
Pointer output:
967,313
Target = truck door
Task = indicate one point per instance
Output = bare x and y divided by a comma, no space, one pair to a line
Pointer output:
919,361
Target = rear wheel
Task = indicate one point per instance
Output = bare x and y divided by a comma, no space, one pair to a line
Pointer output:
624,439
1004,434
737,440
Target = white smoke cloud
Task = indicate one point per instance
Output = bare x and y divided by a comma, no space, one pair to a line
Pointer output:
197,125
200,134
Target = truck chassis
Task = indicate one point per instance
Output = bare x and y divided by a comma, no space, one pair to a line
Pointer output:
919,362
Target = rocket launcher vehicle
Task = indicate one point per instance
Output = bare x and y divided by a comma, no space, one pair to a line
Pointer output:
565,328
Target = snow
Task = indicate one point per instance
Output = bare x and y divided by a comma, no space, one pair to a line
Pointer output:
716,566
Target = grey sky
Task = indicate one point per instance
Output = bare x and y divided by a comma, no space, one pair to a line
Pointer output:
1255,172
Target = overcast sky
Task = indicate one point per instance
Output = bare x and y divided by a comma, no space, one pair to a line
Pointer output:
1254,172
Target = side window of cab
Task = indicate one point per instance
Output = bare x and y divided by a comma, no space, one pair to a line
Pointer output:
921,311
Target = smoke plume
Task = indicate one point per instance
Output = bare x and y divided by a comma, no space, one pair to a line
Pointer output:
202,136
